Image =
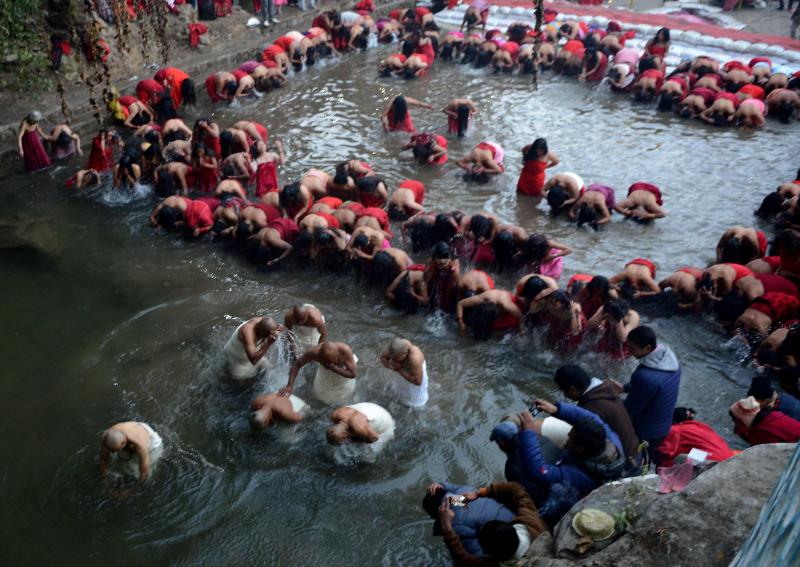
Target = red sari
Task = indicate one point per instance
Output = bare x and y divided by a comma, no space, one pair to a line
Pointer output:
34,155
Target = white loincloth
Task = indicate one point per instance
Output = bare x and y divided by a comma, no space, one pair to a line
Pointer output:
379,420
237,364
129,462
330,388
306,337
409,394
556,430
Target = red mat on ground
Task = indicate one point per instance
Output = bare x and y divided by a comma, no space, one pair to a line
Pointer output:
658,20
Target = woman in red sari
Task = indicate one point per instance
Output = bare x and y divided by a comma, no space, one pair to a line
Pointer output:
31,149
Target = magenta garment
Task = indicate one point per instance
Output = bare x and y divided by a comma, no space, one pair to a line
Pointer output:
607,191
628,56
552,268
34,154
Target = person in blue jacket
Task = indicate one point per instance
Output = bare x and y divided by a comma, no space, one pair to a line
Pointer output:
653,388
467,520
593,454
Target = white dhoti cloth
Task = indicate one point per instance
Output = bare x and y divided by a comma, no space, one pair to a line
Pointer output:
380,420
237,364
306,337
129,462
331,388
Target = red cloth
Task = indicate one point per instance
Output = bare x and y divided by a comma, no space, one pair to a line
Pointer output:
127,100
654,74
601,69
531,178
707,95
731,65
773,261
762,242
379,214
655,50
213,143
332,221
419,12
585,278
271,212
98,159
484,253
34,155
407,125
284,42
417,187
507,321
212,202
261,129
357,208
755,60
753,90
174,78
696,273
426,50
266,178
149,91
741,271
223,7
331,202
559,333
777,306
371,200
728,96
239,74
691,434
195,31
270,52
442,142
209,178
646,263
573,46
286,228
198,214
211,87
775,427
649,187
776,283
365,5
512,47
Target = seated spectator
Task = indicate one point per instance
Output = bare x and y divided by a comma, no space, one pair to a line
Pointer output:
653,388
485,526
760,426
761,389
686,434
593,454
603,399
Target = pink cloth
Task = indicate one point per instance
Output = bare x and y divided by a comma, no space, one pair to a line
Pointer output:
552,268
627,56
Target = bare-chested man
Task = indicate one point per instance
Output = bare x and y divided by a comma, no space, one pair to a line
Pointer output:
407,360
307,324
245,350
335,379
360,423
131,441
269,409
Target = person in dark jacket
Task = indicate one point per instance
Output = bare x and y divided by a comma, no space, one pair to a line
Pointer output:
761,389
759,426
603,399
506,435
499,540
653,388
593,454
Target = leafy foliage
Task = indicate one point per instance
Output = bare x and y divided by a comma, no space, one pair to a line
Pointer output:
24,46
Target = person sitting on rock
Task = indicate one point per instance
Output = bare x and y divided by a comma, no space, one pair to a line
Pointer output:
487,526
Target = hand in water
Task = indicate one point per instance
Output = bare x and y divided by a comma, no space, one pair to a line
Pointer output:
285,392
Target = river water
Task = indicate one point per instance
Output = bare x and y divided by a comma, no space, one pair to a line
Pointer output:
121,323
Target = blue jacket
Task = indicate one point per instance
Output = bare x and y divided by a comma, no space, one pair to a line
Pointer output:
469,519
653,393
567,469
789,405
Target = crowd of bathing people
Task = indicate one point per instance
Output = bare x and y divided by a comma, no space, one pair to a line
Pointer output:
342,219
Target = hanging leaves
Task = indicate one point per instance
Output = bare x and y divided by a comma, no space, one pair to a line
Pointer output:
537,41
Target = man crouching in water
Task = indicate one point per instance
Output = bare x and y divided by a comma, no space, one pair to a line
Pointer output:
131,441
269,409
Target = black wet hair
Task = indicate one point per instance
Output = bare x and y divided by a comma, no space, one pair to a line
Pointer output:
685,112
164,107
616,308
572,375
230,88
682,414
480,226
738,251
168,217
480,320
290,195
304,239
407,48
126,163
403,296
361,241
226,141
646,63
483,58
720,119
761,388
409,74
142,117
369,184
537,149
228,171
533,286
591,57
504,249
243,232
615,74
730,307
789,379
470,52
662,32
443,229
446,53
396,212
362,40
441,251
665,102
498,539
561,296
166,186
63,139
383,269
399,109
589,435
536,249
556,197
771,206
785,112
187,92
462,119
422,152
421,235
599,283
643,337
527,65
340,175
587,215
516,32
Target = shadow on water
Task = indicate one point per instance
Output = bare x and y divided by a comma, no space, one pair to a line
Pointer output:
120,323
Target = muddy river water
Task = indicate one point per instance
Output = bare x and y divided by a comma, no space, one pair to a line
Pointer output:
120,323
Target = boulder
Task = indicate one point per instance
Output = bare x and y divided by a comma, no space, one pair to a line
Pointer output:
702,526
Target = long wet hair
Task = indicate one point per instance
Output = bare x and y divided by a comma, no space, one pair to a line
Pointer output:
383,270
443,229
737,251
771,206
399,109
481,319
556,197
462,119
422,151
290,195
421,234
537,150
226,142
587,215
665,102
340,176
126,164
535,250
480,226
404,298
407,48
533,287
168,217
504,249
187,92
166,186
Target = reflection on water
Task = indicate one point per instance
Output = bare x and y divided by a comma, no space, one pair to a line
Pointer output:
123,324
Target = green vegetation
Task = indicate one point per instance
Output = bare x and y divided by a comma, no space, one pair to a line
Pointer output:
24,46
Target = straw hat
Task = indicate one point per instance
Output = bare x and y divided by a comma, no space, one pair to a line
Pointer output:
594,524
